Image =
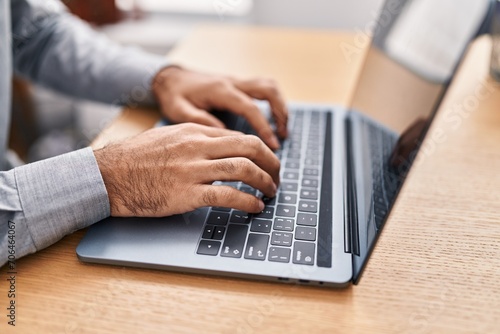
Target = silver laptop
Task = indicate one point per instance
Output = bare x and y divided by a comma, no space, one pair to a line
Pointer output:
341,168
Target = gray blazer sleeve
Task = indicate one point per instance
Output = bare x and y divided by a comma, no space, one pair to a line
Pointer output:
56,49
46,200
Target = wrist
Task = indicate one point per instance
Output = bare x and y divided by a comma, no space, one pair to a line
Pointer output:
162,77
105,167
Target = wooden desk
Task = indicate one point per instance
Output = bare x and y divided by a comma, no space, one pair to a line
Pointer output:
435,268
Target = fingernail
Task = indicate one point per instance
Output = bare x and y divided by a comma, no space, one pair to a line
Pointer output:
275,188
261,205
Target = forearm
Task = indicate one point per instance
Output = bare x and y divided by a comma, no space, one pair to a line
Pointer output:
49,199
58,50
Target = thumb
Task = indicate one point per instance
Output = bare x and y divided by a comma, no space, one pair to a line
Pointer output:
205,118
199,116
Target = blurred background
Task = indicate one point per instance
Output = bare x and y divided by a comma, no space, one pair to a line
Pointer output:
58,124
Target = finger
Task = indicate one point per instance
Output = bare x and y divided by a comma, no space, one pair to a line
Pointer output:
184,111
237,102
268,90
228,197
193,128
247,146
240,169
211,131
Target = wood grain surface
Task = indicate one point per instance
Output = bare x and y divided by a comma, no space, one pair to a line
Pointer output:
434,270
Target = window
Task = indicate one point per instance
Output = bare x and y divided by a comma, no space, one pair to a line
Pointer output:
208,7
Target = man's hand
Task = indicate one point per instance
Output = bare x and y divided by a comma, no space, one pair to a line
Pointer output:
170,170
187,96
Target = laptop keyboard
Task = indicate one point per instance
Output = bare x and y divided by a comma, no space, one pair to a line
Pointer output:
287,229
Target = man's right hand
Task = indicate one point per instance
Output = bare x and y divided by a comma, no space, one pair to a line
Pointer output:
170,170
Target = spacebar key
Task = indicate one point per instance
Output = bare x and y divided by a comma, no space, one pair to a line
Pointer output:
235,240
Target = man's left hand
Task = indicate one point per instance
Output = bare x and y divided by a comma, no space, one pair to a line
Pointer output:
187,96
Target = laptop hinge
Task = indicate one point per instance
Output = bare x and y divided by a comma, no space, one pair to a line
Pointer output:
351,212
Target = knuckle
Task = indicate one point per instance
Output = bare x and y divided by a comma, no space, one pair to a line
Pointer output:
253,141
226,196
226,167
184,126
192,128
221,84
271,86
185,146
236,141
245,166
209,197
255,144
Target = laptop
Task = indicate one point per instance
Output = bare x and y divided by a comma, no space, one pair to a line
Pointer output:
341,168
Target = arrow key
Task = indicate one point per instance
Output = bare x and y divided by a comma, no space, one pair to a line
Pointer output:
208,247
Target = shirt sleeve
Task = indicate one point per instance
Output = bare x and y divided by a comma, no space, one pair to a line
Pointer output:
58,50
46,200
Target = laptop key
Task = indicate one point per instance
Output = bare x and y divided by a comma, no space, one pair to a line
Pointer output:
292,165
312,162
218,218
308,206
231,184
256,246
269,201
305,233
267,213
208,232
279,254
208,247
303,253
239,217
307,219
313,154
311,171
283,224
220,208
287,186
261,225
308,194
219,232
291,175
310,183
285,211
248,190
287,198
281,239
235,240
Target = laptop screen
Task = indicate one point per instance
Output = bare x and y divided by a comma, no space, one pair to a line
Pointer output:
416,48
